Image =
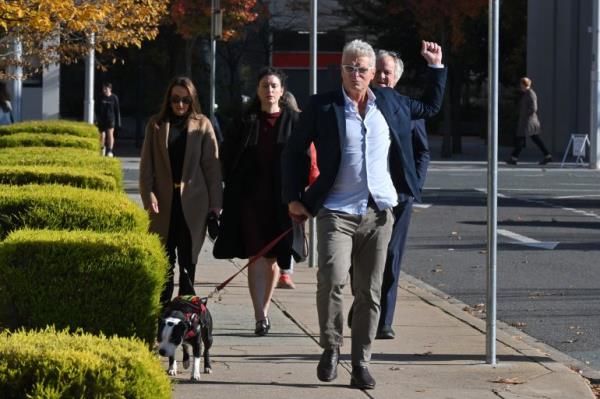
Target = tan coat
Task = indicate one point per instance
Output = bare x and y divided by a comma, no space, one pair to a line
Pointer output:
201,188
529,124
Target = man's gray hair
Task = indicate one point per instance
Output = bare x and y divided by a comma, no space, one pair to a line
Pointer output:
399,65
360,48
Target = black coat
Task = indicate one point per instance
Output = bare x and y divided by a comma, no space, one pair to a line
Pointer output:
237,155
323,123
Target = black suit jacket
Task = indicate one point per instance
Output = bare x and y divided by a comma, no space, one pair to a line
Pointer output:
323,123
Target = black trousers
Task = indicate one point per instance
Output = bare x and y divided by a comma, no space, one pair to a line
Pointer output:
391,274
520,144
179,248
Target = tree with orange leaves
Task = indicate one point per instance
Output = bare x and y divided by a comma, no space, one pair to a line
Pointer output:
192,19
53,31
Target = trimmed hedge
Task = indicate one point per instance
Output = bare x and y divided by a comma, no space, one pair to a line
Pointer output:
106,283
77,177
48,140
60,156
72,128
68,208
56,364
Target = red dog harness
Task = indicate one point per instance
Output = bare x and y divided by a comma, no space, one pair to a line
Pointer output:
193,308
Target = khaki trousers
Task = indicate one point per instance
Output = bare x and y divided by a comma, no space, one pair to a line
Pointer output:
360,241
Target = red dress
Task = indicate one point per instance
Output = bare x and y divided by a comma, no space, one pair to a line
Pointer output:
260,206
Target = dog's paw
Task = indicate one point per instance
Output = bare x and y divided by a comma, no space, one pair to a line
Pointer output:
186,363
172,372
195,376
207,370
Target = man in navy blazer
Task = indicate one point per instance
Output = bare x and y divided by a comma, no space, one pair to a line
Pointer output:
365,157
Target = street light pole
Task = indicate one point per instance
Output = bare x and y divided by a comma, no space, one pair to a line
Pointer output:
492,180
215,33
312,225
17,84
88,102
595,90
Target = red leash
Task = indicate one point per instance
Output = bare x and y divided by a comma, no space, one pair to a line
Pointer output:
251,261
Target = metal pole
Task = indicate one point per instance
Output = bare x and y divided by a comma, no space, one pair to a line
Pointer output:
17,84
595,90
492,180
88,102
213,60
312,235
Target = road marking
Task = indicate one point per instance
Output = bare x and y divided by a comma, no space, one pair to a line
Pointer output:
548,204
577,196
484,190
530,242
422,206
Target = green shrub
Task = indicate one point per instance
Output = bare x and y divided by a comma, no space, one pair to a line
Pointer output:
72,128
68,208
48,140
98,282
77,177
60,156
56,364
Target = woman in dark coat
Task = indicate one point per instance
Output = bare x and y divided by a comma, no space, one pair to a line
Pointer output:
253,212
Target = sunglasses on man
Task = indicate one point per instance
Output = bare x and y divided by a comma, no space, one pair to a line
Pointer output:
184,100
352,69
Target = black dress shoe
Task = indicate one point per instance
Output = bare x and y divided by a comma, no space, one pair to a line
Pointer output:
327,368
385,332
361,378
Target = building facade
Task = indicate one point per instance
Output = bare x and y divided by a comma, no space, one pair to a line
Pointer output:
559,61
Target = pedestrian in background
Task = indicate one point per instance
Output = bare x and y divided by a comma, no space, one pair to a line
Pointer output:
6,115
253,213
364,154
180,180
108,118
528,125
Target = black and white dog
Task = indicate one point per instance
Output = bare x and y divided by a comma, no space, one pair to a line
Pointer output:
187,322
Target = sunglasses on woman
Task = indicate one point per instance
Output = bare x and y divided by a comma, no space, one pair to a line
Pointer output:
177,100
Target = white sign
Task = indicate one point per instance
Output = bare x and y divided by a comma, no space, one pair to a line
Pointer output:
579,142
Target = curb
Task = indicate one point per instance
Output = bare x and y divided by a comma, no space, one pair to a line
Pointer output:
506,334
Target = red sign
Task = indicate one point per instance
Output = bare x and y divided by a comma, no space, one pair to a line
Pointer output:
301,60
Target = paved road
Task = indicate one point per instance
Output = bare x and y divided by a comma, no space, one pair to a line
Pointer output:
548,252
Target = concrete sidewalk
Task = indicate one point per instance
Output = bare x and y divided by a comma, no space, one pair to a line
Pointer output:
439,350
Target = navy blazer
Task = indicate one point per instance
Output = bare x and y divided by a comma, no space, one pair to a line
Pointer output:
421,153
323,123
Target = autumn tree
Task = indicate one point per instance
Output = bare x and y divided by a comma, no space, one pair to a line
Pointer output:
192,19
53,31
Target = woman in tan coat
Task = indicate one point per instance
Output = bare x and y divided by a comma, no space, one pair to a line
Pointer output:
529,124
180,180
